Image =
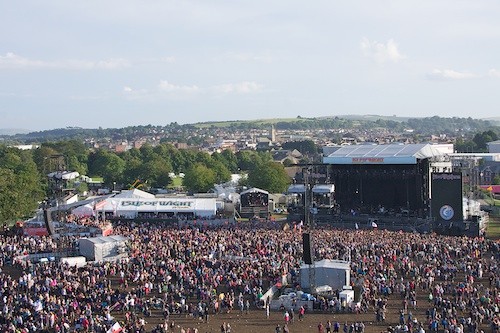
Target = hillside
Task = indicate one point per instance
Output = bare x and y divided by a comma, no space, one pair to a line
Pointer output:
451,127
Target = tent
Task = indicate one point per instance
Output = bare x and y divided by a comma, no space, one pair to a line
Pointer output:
131,207
83,211
135,193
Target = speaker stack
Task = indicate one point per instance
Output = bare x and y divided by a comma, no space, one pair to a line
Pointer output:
307,248
48,222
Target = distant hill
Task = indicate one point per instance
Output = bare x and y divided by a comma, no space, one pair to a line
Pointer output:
13,131
229,123
374,117
493,120
423,126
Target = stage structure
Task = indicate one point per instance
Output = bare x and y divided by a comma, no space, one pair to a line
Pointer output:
254,203
323,198
387,182
296,202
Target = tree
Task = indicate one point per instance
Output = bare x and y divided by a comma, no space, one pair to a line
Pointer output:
496,180
465,146
222,173
133,166
269,176
247,160
481,139
20,186
228,158
82,187
155,173
41,156
199,178
107,165
75,154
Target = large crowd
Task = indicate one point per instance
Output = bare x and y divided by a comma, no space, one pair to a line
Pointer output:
201,272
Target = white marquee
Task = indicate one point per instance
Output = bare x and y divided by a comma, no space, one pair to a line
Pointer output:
203,207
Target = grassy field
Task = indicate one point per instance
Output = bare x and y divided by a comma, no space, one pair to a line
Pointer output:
493,229
176,182
491,201
255,121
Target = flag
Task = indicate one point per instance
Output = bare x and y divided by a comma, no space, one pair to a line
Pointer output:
116,328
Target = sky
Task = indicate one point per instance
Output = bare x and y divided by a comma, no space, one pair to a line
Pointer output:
120,63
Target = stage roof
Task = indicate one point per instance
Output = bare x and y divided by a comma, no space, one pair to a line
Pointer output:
296,188
254,190
382,154
323,188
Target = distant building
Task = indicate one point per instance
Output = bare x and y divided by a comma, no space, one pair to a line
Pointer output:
273,134
181,145
122,147
263,144
281,156
494,146
26,147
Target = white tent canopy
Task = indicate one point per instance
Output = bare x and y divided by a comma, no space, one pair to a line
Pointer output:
296,188
135,193
64,175
324,188
254,190
130,207
83,211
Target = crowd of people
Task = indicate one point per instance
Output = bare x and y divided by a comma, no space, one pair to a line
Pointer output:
201,271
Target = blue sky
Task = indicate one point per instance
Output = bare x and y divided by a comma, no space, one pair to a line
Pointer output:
121,63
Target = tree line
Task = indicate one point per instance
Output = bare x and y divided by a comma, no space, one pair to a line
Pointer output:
24,182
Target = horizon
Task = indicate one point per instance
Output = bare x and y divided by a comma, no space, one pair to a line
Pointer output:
20,131
119,64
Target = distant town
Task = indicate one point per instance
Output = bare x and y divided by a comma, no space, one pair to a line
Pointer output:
271,134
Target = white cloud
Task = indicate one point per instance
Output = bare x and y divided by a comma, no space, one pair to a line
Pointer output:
11,60
381,52
168,87
449,74
14,61
168,60
169,90
494,73
245,87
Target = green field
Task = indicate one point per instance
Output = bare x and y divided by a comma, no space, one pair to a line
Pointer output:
255,121
493,229
176,182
